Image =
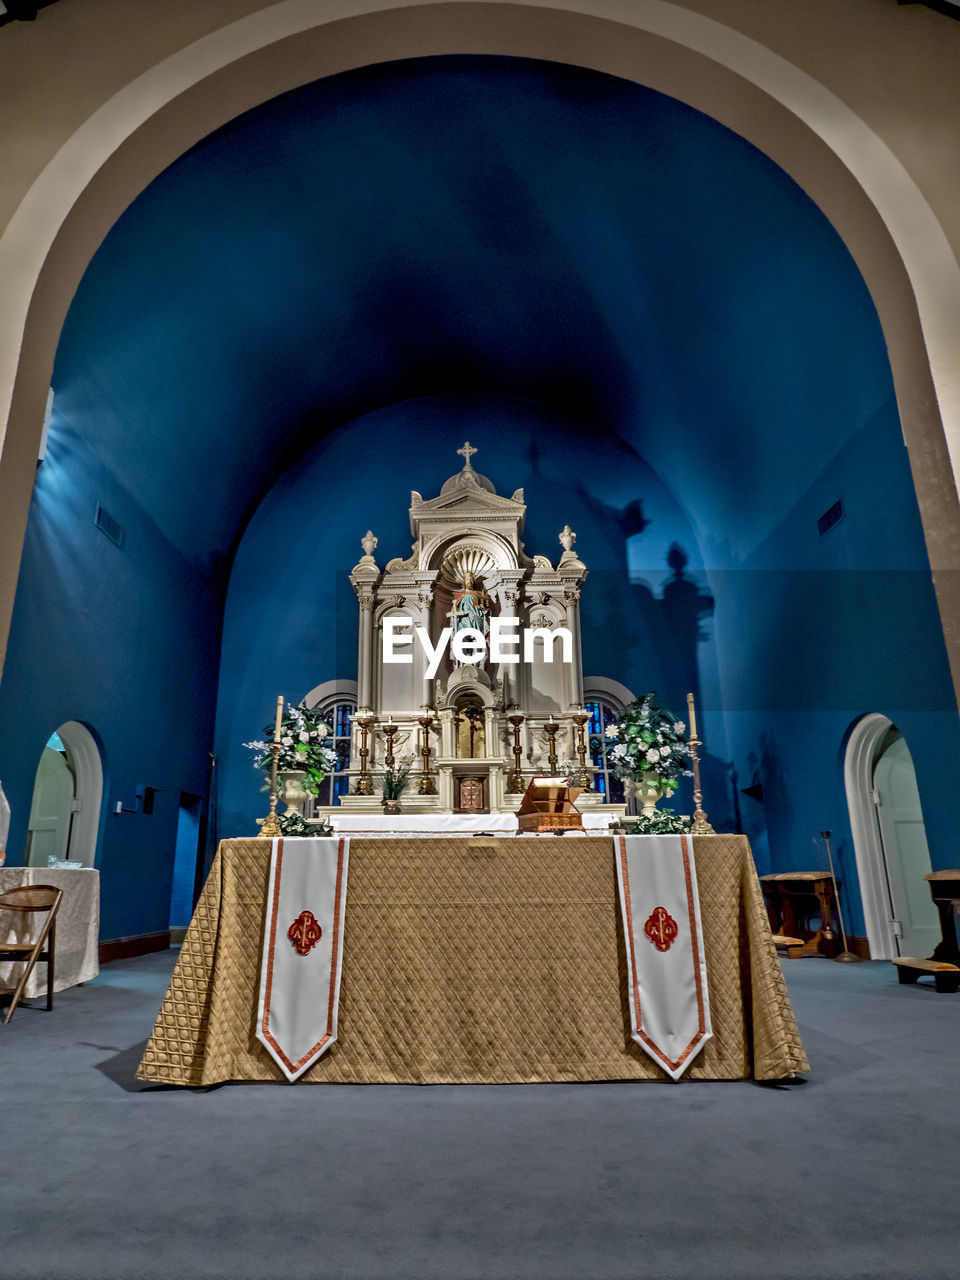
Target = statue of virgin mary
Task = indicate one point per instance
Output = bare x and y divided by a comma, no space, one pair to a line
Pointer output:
471,608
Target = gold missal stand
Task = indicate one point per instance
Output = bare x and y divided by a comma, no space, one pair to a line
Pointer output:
547,806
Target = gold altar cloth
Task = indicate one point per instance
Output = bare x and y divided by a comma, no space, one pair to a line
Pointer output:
475,960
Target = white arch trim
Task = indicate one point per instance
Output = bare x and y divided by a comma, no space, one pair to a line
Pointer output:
858,762
612,690
930,264
434,552
460,686
85,757
329,690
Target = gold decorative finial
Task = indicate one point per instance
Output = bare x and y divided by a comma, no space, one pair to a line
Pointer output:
467,453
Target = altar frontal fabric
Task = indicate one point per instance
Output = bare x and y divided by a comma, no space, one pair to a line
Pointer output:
302,950
432,928
666,973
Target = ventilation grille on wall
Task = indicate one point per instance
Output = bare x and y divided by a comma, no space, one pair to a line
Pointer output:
830,518
106,524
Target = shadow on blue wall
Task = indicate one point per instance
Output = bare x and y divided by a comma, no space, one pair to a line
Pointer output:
291,617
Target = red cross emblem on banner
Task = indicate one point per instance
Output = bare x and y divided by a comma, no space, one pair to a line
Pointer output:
305,932
661,928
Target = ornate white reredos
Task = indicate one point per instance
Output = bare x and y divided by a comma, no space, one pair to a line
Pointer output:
469,529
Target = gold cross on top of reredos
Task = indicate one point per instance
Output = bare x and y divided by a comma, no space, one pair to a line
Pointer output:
467,453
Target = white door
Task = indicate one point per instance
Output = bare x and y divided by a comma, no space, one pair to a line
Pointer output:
50,812
905,850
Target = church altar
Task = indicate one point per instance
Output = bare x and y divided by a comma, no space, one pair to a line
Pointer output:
469,726
475,960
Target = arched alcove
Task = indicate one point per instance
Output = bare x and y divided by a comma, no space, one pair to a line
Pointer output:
71,780
85,754
885,890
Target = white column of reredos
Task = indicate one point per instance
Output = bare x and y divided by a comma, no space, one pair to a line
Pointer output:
469,629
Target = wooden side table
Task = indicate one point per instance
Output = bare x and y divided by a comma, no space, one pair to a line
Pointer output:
944,964
793,899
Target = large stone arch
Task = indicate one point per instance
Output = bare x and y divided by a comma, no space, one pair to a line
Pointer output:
861,186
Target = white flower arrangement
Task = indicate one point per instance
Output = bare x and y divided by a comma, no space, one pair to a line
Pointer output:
303,731
649,740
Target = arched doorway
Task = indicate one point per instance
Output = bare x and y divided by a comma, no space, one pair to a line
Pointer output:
65,809
889,840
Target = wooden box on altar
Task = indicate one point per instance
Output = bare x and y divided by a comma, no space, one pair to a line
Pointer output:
547,805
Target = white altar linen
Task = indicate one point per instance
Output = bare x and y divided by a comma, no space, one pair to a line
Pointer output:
666,971
302,950
78,927
448,824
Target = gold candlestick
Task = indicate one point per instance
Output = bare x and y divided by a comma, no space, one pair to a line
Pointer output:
700,826
364,785
550,729
427,786
389,732
580,719
270,828
516,786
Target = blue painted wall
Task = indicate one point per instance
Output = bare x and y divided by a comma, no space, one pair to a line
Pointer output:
125,641
634,313
814,632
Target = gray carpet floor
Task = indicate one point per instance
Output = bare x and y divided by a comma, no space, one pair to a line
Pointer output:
851,1174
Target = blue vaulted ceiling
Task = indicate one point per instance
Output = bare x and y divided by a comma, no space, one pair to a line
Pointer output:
465,225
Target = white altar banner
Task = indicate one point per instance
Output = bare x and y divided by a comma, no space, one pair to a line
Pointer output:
302,950
666,973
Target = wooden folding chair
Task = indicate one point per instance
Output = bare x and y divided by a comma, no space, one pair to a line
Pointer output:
43,900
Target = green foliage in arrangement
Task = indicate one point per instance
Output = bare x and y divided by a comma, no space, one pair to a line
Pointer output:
662,823
649,740
295,824
303,746
392,782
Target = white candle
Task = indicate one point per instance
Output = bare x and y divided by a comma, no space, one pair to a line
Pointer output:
693,716
276,729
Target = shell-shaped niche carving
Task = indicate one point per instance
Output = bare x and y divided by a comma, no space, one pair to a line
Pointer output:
466,558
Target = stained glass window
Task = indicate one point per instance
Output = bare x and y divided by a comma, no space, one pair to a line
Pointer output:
337,715
602,714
